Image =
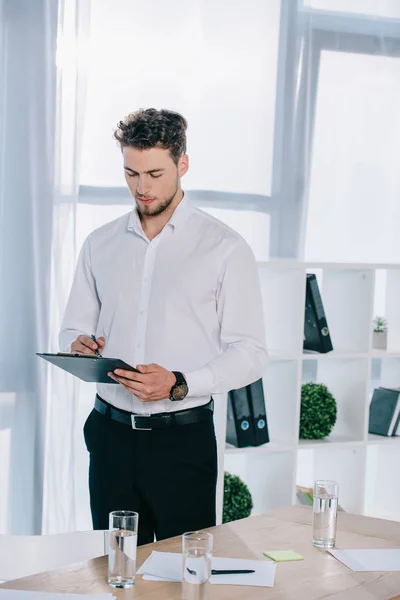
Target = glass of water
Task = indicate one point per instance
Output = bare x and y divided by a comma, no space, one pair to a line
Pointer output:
325,513
197,549
122,548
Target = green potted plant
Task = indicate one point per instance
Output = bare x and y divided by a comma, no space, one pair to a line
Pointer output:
318,412
379,339
237,499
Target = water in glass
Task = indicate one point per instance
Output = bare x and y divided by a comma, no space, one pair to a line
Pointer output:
196,564
122,558
325,516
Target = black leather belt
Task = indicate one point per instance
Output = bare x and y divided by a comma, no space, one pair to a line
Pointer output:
157,421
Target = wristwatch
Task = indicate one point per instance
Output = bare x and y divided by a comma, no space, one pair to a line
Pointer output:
180,389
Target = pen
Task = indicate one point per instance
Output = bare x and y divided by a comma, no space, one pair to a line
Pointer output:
93,337
230,571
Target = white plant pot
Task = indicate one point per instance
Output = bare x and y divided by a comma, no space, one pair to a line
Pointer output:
379,340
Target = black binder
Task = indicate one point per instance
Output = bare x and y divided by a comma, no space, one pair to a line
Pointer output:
246,418
384,412
258,412
239,426
316,332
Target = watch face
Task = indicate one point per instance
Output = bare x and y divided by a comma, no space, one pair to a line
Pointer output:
180,392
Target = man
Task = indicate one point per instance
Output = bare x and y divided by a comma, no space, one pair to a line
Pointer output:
175,293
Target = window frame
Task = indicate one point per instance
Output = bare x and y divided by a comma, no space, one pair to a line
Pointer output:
339,32
304,33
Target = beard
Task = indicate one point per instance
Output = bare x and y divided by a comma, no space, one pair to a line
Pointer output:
158,209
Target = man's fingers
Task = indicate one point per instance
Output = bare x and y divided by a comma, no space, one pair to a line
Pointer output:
139,389
81,349
131,375
87,342
83,345
147,368
129,382
87,350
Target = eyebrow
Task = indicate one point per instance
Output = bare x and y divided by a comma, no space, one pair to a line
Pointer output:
151,171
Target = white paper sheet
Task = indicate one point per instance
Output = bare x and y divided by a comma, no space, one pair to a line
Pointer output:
384,559
145,568
167,566
25,595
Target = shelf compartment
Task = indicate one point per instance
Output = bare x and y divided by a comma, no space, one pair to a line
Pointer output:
345,465
269,476
348,381
283,312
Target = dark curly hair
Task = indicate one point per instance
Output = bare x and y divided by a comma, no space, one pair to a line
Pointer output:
150,128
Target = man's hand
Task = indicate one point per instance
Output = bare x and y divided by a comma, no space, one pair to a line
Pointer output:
85,345
151,383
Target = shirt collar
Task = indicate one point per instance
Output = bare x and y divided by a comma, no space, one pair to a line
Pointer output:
179,216
134,223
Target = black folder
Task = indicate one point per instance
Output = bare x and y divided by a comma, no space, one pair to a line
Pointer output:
384,412
246,418
239,425
258,412
87,367
316,332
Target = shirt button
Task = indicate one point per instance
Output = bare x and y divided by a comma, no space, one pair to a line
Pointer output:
142,312
137,345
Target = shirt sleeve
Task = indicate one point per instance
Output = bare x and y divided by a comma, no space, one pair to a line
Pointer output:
83,307
239,308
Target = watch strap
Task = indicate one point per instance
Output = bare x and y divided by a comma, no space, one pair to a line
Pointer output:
179,378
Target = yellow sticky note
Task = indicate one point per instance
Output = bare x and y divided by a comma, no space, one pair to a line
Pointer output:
283,555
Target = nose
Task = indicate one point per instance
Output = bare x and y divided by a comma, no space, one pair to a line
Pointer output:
143,188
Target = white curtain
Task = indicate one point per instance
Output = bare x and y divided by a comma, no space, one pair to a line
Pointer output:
27,114
65,500
42,93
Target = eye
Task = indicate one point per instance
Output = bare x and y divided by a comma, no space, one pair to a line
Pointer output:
155,176
130,174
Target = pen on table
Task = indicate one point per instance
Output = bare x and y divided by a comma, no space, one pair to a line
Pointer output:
231,571
93,337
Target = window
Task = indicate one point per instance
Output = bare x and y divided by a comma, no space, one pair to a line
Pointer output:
215,62
354,180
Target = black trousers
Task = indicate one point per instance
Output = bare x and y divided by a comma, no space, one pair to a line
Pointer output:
168,475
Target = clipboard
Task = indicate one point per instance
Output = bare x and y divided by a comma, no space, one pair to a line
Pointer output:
87,367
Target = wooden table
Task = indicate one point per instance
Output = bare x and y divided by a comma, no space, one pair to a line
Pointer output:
318,576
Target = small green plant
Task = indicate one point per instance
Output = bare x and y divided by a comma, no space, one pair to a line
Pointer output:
318,412
237,499
380,324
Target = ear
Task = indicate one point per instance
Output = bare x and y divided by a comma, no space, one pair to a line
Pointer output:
183,165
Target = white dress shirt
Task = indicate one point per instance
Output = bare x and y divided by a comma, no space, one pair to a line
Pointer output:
188,300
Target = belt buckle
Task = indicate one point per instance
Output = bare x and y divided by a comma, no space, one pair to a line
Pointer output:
133,417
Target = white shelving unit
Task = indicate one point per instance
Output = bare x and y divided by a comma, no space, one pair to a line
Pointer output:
365,466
